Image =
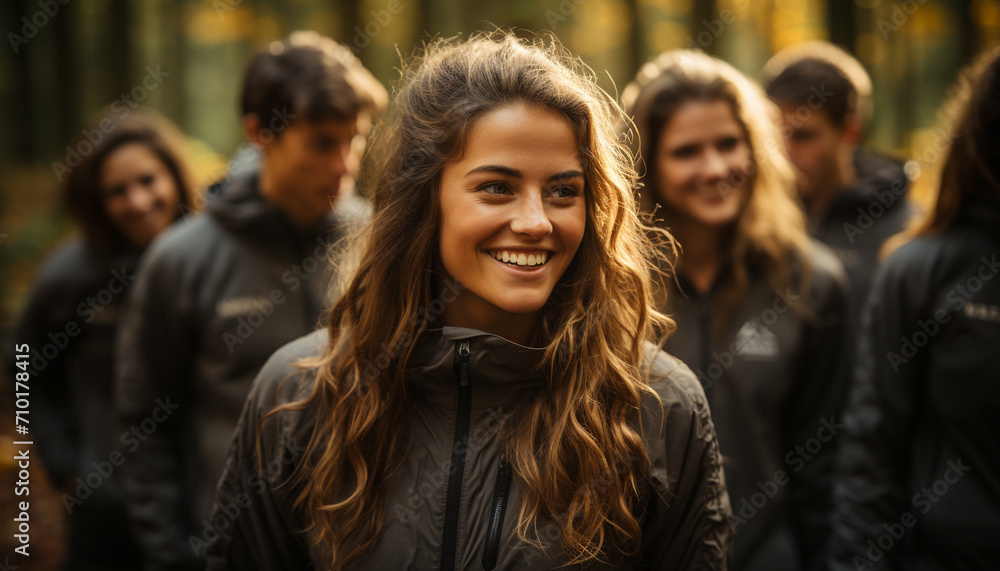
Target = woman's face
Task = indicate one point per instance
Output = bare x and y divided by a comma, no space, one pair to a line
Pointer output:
702,163
512,215
139,193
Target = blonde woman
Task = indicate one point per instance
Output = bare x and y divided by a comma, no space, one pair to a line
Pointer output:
758,306
486,395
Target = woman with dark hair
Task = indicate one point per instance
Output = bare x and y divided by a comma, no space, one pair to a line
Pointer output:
919,481
758,305
486,394
129,188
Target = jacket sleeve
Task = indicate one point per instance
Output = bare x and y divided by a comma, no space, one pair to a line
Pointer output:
812,415
52,421
252,523
884,399
154,365
688,524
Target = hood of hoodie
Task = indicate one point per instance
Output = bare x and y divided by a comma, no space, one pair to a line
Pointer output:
238,205
874,173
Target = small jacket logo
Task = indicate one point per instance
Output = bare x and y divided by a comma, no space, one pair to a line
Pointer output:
756,341
982,311
240,306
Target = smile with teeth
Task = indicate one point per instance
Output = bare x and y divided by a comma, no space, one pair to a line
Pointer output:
520,258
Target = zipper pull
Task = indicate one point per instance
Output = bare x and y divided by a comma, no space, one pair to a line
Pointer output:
463,354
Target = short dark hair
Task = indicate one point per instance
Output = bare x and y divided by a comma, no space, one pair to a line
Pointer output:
820,73
309,76
82,192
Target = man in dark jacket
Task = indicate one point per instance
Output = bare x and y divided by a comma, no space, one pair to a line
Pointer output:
216,296
854,199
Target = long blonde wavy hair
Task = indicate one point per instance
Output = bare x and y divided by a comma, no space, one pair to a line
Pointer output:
771,228
593,326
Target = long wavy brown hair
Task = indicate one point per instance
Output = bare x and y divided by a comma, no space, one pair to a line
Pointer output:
972,163
771,229
593,327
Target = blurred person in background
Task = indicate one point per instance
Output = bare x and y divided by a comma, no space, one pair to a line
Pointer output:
132,186
214,298
759,306
486,395
919,482
854,199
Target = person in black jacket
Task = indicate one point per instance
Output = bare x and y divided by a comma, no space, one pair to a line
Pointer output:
218,294
132,185
759,306
854,199
919,481
486,395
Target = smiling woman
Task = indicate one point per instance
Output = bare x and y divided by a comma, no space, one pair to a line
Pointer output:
539,427
129,188
762,308
513,214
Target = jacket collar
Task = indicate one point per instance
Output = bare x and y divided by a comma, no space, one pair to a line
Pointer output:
238,205
496,365
874,173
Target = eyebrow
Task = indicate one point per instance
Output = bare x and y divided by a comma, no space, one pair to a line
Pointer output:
507,171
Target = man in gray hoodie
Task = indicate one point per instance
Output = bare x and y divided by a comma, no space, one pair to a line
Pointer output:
216,296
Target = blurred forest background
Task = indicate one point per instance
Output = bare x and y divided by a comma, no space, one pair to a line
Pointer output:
67,59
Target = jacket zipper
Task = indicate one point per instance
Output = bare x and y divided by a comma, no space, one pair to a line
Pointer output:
500,494
459,450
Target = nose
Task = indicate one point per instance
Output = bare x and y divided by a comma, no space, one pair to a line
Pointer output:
342,160
140,198
716,167
530,218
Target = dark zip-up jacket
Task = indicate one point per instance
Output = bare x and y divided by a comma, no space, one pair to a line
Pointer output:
213,299
862,217
775,388
919,486
453,504
69,325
